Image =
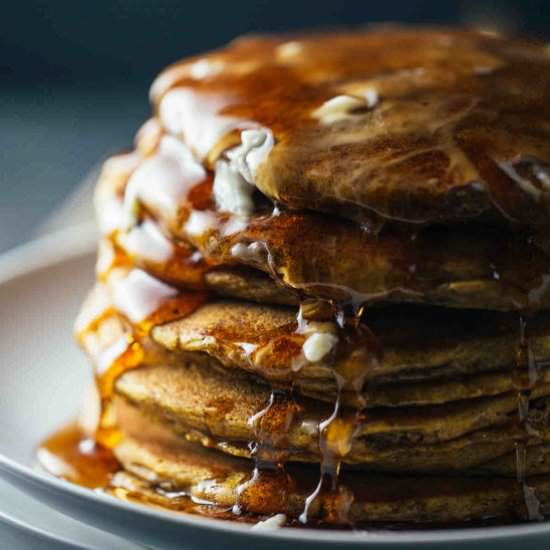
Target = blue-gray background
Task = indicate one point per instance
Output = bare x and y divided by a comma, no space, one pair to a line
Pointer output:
74,75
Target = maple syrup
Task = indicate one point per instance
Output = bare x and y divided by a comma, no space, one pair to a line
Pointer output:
163,229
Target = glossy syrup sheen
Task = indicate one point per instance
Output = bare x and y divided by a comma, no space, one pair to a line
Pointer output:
271,424
89,461
267,491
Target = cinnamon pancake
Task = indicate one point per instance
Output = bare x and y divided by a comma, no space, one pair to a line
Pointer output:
416,343
206,402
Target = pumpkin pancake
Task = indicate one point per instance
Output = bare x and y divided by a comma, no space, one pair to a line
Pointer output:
310,255
416,344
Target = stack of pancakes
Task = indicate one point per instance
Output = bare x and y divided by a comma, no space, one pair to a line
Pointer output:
322,282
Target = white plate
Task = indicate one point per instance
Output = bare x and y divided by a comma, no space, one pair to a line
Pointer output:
42,379
28,523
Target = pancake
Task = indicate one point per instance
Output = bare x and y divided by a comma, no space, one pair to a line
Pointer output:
249,285
207,406
323,286
466,356
444,126
167,470
415,343
340,261
311,255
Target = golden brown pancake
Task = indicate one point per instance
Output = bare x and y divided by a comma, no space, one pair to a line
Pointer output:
249,285
312,255
209,407
427,356
479,269
416,343
162,465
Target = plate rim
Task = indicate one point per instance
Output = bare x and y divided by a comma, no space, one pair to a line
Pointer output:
78,241
41,534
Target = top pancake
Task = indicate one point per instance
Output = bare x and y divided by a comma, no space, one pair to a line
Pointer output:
416,125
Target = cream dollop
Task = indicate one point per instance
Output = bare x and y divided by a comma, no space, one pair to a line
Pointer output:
139,294
235,177
338,108
255,146
193,116
147,241
318,345
162,181
231,191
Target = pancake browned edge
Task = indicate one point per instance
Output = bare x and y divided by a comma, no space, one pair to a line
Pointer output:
323,285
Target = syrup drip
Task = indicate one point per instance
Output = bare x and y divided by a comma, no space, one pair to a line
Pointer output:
357,349
269,449
142,302
329,498
527,375
72,455
271,426
250,495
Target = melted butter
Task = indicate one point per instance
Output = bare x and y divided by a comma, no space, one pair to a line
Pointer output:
231,191
147,241
162,181
195,117
139,295
339,108
109,192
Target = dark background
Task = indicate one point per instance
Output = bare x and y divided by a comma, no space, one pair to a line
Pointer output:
74,75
